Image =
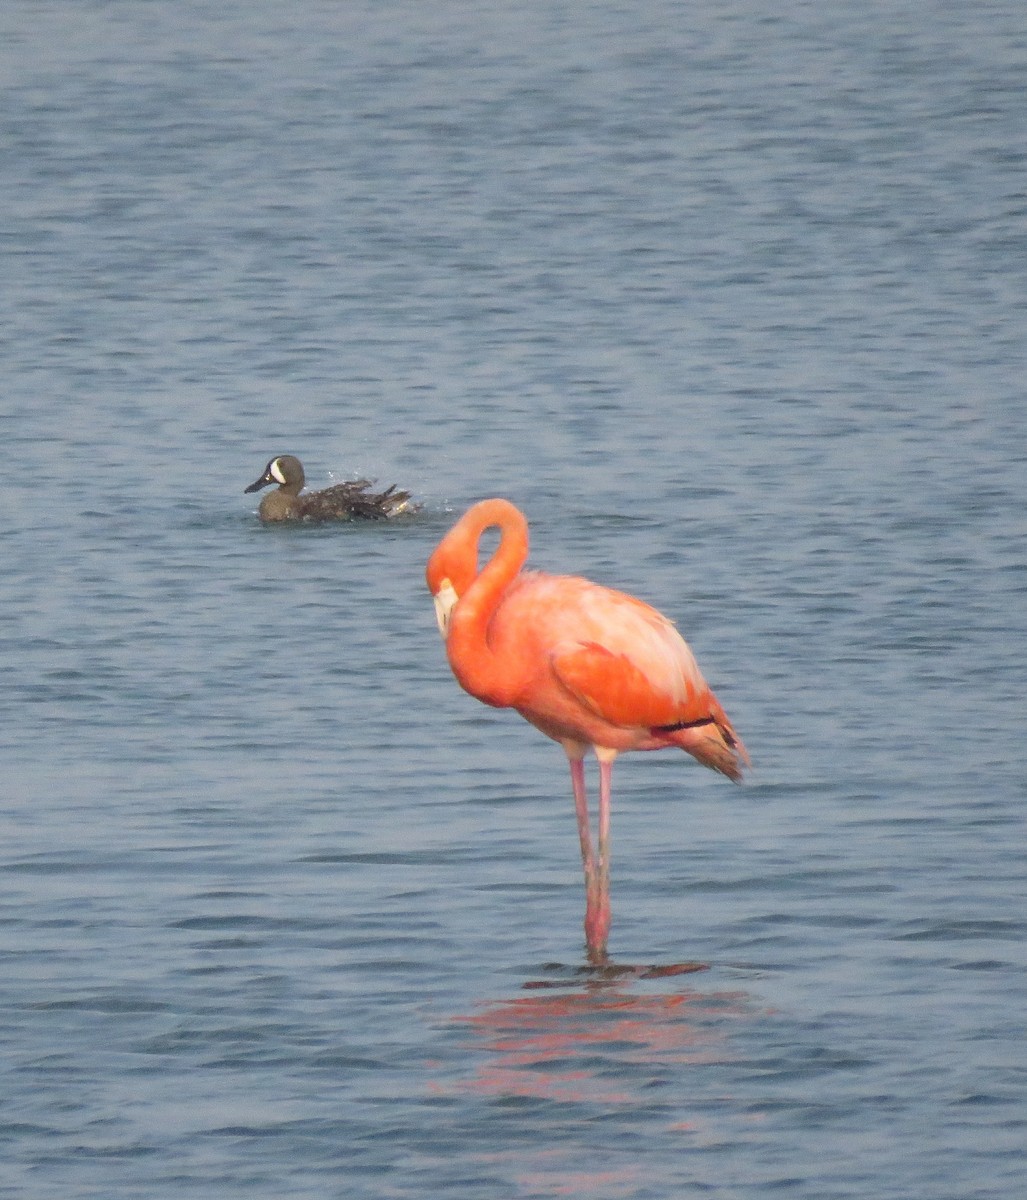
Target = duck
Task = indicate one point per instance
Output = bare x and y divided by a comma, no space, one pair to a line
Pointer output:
340,502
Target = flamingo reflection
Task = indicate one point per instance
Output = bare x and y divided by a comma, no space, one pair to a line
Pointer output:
597,1043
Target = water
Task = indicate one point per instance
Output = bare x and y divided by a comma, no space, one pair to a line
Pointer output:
732,301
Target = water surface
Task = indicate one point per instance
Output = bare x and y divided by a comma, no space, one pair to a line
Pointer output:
732,303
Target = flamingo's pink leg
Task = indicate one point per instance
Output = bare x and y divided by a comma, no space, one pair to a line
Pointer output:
595,929
599,933
588,860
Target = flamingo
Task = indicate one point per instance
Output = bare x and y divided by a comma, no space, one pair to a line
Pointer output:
589,666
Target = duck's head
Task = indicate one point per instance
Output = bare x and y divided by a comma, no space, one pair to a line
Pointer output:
285,470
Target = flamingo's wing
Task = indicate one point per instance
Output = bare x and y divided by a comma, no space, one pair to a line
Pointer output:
636,669
614,688
618,659
673,700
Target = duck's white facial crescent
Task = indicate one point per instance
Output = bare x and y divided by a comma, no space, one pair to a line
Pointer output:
445,600
276,472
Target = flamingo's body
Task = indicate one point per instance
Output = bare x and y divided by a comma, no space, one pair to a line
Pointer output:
587,665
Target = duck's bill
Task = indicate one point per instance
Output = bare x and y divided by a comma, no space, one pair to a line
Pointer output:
257,484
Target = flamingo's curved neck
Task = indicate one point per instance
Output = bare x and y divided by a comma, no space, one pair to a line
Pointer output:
479,670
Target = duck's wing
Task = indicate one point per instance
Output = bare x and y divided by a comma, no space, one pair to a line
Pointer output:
354,499
396,502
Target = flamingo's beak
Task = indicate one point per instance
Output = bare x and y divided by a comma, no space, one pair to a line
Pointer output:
445,601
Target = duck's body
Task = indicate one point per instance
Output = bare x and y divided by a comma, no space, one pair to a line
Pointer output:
340,502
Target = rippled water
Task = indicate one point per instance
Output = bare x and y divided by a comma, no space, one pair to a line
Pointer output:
731,300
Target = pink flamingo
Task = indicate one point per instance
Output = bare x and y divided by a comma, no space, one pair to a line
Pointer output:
588,666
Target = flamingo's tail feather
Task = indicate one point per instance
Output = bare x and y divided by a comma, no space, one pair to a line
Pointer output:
713,742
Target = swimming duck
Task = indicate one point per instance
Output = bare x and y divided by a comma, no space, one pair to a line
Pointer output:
341,502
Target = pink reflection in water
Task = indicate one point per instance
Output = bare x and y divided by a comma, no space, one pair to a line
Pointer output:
586,1044
602,1042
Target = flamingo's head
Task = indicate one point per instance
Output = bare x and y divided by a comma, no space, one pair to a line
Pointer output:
453,566
445,601
447,578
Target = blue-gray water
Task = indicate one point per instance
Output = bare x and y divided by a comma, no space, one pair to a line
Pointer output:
732,299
